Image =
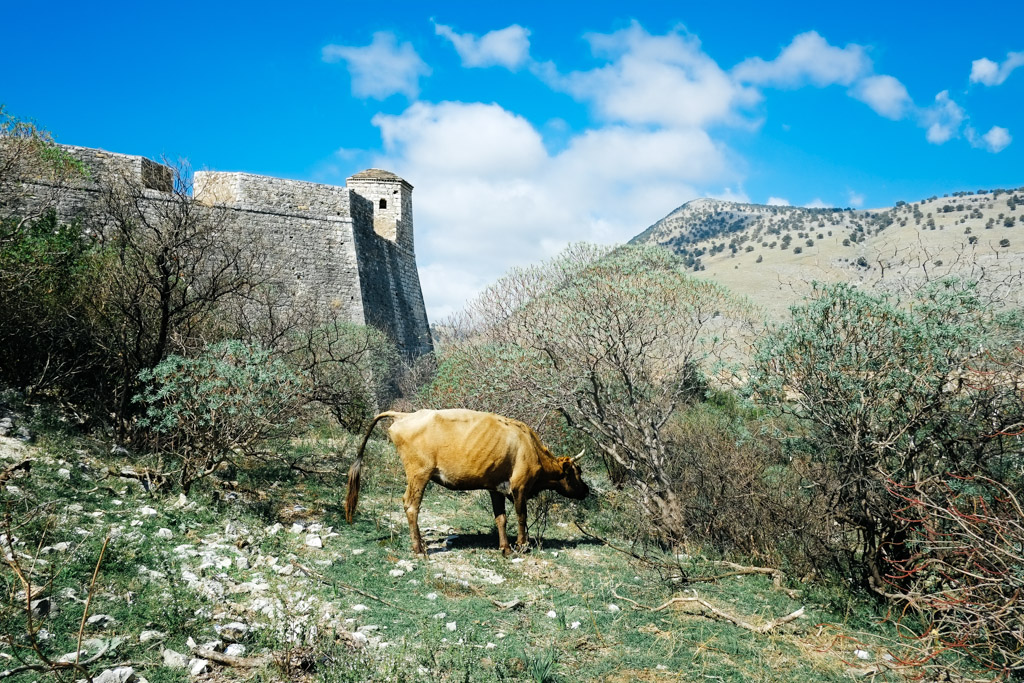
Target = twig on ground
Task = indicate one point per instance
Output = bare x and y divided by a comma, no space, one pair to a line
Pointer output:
229,660
25,465
724,616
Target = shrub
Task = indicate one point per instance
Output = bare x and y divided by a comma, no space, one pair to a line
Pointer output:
228,401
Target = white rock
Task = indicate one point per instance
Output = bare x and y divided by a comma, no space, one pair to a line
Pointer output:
273,529
440,615
406,565
358,551
431,596
100,620
197,667
242,562
360,638
552,614
862,654
121,674
117,502
137,522
234,650
613,608
297,528
490,646
147,636
174,660
396,572
64,473
285,570
574,625
191,642
147,512
164,533
451,626
359,608
313,541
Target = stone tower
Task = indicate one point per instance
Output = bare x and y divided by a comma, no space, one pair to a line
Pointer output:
391,198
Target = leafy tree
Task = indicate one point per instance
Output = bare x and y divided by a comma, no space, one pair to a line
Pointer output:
614,341
883,392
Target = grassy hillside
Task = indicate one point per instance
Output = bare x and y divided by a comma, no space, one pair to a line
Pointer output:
771,253
267,563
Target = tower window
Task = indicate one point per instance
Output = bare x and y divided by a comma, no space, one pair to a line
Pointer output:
383,203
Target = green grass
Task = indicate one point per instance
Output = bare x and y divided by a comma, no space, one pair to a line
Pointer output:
307,615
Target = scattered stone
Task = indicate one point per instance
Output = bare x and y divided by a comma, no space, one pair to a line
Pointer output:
451,626
64,473
613,608
273,529
147,636
360,638
121,674
359,608
6,426
197,666
490,646
511,604
574,625
358,551
297,528
285,570
431,596
101,620
313,541
862,654
147,512
516,560
406,565
235,650
242,562
234,631
396,572
165,533
191,642
174,660
41,607
552,614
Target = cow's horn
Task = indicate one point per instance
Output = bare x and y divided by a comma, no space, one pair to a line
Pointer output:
578,457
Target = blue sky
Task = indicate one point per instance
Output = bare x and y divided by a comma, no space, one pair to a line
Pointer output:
525,126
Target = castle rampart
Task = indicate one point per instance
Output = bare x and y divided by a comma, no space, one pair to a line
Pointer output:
342,247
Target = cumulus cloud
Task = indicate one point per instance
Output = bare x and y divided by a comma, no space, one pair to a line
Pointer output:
987,72
489,195
807,59
885,94
995,140
855,199
817,203
778,201
653,80
508,47
943,119
382,68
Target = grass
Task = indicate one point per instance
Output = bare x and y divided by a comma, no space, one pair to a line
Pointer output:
416,619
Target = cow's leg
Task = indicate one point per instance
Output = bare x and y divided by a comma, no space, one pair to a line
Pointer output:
519,500
411,500
498,505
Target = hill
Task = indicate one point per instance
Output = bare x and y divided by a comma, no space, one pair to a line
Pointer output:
773,253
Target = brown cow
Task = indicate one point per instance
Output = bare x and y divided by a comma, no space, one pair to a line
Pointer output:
467,450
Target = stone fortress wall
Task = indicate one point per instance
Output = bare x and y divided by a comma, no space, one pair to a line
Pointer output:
349,248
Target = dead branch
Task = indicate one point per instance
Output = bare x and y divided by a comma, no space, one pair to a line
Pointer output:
719,614
229,660
151,479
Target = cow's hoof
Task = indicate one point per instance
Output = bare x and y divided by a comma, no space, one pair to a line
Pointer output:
506,550
522,547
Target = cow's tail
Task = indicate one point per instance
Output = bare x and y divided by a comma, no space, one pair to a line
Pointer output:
357,467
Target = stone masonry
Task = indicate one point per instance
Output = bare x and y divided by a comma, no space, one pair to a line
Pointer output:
349,248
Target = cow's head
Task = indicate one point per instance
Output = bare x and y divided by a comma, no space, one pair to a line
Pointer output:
570,484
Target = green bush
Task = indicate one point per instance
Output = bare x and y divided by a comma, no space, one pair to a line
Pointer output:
228,401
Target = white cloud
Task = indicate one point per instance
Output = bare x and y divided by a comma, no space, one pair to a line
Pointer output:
995,140
987,72
382,68
489,195
661,80
942,119
778,201
508,47
807,59
883,93
855,198
817,203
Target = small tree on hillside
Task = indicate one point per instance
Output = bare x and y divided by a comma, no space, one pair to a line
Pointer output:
614,341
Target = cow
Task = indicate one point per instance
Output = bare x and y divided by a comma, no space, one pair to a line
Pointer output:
466,450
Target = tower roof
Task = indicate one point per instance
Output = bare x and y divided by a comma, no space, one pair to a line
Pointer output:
380,175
